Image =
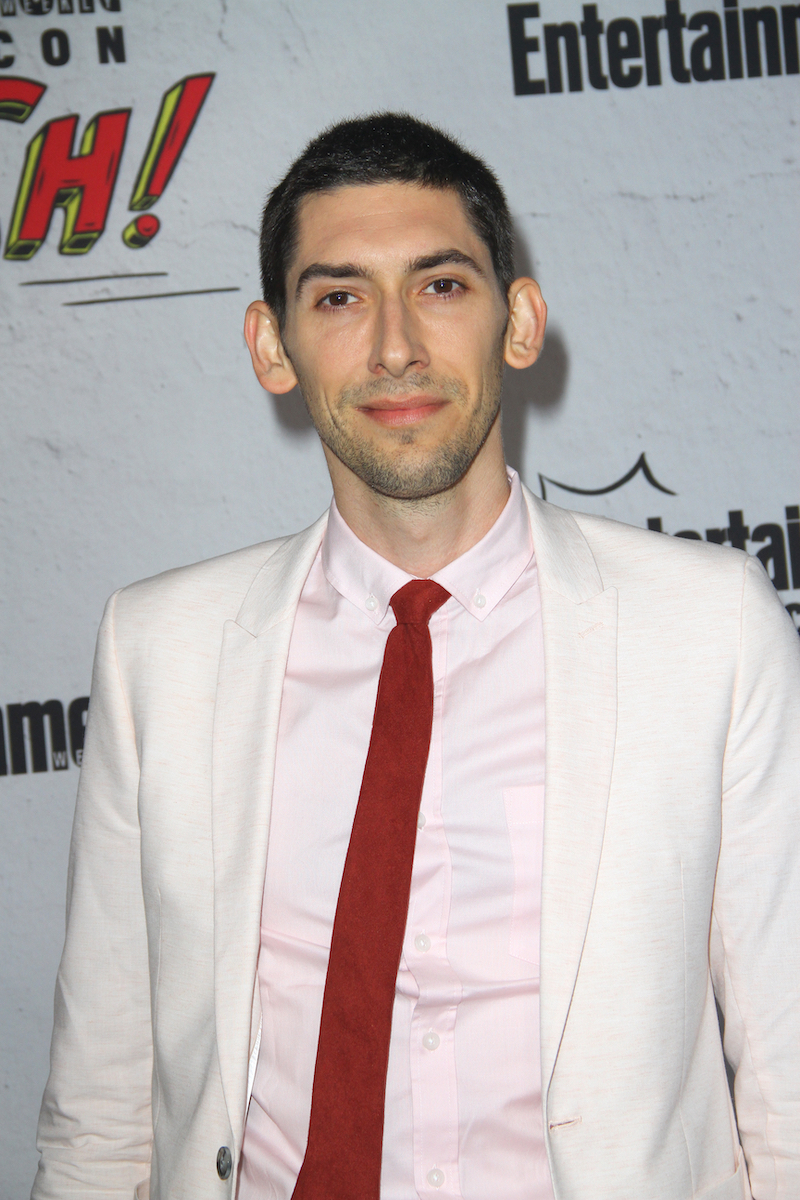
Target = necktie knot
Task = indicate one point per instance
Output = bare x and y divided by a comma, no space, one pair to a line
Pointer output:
417,601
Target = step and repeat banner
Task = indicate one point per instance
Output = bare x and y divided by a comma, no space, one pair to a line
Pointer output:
649,152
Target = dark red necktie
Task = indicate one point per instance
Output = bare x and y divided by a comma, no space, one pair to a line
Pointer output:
345,1137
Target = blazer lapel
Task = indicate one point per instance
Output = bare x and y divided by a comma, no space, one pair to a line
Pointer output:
252,666
580,640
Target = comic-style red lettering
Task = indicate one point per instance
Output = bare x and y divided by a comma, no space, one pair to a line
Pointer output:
180,107
81,184
19,97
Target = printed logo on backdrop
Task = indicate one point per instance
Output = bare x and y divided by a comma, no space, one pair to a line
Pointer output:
55,44
72,162
42,736
720,43
778,544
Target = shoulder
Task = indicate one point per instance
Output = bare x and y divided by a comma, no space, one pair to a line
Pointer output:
625,555
682,601
695,588
698,585
208,593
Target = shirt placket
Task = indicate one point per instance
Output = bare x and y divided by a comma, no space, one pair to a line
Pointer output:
432,1042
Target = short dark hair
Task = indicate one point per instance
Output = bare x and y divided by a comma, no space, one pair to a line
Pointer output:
382,148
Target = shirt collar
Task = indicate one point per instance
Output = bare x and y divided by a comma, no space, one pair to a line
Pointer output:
478,579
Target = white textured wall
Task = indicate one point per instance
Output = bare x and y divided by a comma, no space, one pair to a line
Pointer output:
661,222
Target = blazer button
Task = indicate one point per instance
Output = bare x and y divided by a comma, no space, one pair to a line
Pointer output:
224,1162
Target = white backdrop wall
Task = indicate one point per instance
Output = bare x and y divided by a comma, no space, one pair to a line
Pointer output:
659,214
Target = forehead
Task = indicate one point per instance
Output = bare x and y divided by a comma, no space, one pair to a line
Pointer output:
382,222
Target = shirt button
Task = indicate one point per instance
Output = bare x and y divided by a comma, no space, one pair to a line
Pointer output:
436,1177
479,600
421,821
431,1040
422,942
371,603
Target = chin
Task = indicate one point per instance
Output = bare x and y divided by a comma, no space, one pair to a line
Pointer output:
419,481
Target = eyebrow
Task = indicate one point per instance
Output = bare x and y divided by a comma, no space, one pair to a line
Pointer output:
443,258
321,270
440,258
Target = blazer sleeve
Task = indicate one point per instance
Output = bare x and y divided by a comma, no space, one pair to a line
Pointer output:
755,935
95,1128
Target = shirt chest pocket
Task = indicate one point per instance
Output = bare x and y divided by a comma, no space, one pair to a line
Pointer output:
524,807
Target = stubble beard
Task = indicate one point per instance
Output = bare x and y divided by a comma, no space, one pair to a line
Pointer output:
403,475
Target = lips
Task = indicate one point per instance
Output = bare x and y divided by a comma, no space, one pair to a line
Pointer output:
406,410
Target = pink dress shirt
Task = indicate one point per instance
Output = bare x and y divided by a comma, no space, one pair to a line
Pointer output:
463,1100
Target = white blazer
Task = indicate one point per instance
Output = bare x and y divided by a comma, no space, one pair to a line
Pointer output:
671,873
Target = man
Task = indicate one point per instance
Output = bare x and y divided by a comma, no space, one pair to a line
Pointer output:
590,731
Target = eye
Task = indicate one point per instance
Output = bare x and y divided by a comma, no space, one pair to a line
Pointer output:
337,299
443,287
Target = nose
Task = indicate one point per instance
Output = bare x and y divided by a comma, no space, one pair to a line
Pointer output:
398,345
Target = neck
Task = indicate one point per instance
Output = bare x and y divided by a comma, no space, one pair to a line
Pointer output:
422,536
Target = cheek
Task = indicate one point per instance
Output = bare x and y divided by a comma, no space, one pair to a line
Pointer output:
472,341
476,359
338,356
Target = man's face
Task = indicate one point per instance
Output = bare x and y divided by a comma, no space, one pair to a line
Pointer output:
394,327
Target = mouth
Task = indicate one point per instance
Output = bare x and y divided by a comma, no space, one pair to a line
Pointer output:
404,410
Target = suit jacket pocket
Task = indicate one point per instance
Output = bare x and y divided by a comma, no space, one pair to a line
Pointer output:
735,1187
525,819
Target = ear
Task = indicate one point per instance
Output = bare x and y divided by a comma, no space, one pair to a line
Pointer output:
527,317
271,364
